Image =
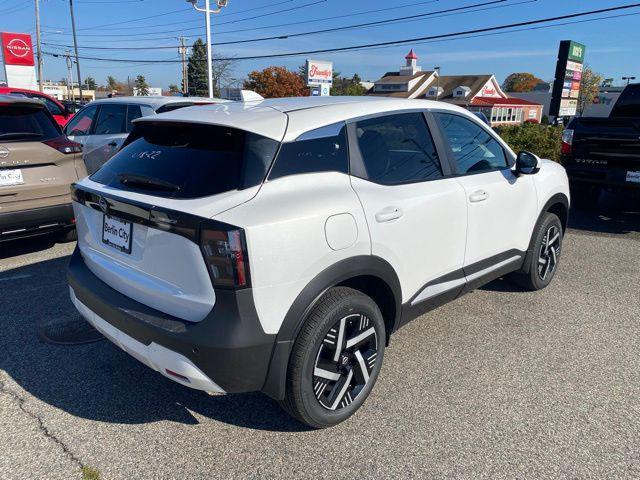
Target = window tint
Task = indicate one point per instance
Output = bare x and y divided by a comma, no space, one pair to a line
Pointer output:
188,161
50,104
474,148
133,112
398,149
80,124
26,124
111,120
320,150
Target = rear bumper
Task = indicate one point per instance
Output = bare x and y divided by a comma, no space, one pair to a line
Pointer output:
605,177
226,352
35,221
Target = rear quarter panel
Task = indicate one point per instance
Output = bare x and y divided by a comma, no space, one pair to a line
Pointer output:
286,227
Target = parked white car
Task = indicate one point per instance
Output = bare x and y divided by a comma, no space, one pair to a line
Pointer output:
276,246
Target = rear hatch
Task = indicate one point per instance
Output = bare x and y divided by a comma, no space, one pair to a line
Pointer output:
142,216
37,163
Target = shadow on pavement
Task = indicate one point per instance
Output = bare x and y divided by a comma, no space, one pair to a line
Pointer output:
99,381
23,246
614,214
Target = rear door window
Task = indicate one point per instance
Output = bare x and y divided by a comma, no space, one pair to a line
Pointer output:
111,119
133,112
81,123
188,161
23,124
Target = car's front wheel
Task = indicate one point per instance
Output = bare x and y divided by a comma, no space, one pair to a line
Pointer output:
547,247
336,358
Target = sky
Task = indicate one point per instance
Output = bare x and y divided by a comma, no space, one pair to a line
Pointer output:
105,25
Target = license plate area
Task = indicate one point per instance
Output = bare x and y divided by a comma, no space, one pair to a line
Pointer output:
11,177
633,177
117,233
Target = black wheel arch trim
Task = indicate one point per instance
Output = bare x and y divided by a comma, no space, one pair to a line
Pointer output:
558,198
363,265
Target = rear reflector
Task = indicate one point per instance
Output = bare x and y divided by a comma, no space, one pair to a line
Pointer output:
64,145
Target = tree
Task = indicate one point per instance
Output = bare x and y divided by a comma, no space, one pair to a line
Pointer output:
197,70
90,83
521,82
589,88
275,82
348,86
112,83
141,87
173,89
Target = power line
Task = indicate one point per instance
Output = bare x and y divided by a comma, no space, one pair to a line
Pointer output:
438,13
399,42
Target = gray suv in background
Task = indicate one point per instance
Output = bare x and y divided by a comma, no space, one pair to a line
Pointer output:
102,126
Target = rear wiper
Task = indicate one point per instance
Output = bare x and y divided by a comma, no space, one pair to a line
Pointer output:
20,135
149,183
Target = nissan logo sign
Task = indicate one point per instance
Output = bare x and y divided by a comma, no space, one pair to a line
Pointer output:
104,206
18,47
4,152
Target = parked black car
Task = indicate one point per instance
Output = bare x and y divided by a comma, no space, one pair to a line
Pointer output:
604,152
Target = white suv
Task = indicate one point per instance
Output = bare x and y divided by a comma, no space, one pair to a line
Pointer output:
277,245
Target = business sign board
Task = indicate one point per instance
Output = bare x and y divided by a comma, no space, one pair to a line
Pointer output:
319,72
18,60
566,86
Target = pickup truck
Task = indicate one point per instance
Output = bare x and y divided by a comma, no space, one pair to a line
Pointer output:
604,153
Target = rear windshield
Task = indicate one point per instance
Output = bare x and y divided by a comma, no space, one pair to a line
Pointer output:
188,161
628,105
26,124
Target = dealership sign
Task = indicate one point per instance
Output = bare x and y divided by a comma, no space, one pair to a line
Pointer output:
18,60
319,72
566,86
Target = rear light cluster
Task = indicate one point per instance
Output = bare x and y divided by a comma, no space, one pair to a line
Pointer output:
64,145
567,142
225,252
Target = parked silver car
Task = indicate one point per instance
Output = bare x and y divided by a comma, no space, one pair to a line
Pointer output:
102,126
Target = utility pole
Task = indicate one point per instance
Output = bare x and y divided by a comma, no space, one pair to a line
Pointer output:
70,90
75,47
39,52
185,70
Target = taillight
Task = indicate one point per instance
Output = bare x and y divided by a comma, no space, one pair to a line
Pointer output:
225,252
64,145
567,142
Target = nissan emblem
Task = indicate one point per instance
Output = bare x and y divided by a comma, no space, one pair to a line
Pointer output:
104,206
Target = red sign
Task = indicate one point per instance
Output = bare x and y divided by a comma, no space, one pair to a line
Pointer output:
17,49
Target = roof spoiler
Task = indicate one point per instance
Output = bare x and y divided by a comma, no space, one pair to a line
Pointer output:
239,95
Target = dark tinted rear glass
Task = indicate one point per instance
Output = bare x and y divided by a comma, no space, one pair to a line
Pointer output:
188,161
628,105
24,124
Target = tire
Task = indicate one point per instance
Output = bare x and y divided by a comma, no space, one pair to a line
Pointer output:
545,258
343,385
585,197
66,236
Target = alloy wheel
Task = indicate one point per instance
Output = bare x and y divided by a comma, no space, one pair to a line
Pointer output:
345,361
549,252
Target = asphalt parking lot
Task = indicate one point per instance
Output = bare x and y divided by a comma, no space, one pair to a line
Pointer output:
499,384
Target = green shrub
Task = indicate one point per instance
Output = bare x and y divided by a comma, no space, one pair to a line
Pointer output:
543,140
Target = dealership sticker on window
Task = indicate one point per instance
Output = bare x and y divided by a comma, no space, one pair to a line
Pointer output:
633,177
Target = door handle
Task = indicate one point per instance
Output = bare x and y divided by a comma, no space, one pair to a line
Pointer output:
478,196
389,213
112,144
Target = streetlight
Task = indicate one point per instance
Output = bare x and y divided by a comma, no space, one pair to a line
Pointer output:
207,12
628,79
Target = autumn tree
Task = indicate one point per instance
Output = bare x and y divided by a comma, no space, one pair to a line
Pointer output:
589,88
112,83
276,82
173,89
521,82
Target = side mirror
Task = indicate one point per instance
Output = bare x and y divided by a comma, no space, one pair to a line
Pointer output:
527,163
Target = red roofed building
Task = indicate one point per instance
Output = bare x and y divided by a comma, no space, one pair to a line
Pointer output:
475,92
